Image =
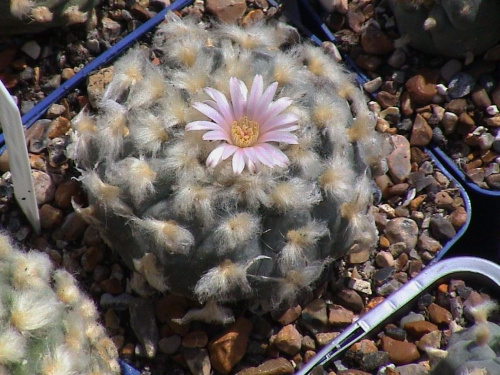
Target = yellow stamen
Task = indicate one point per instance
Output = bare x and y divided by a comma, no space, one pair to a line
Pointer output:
244,132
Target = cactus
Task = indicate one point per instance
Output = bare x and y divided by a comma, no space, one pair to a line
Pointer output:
26,16
48,326
471,351
454,28
234,168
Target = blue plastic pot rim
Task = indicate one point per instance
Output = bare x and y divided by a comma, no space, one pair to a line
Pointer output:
460,175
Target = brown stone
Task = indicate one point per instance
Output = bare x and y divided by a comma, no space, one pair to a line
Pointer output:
50,216
172,307
227,349
457,106
195,339
458,217
324,338
493,122
386,99
364,346
427,243
339,316
421,133
227,11
438,314
419,328
430,340
350,300
91,258
398,160
252,17
66,191
422,87
375,42
288,340
481,99
278,366
358,257
290,315
400,352
112,286
97,83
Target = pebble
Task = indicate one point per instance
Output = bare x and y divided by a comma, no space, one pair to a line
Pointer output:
96,84
170,345
227,349
350,300
45,188
278,366
399,160
197,360
412,369
441,228
359,257
72,228
438,314
389,287
32,49
481,99
226,11
422,87
461,85
339,316
428,243
376,42
419,328
288,340
373,85
50,216
493,181
360,285
399,352
450,69
421,134
402,229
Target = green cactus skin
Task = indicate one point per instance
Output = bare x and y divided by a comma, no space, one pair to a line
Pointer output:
47,325
28,16
207,233
453,28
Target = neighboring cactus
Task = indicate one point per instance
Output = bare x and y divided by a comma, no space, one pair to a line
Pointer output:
24,16
48,326
471,351
452,28
235,168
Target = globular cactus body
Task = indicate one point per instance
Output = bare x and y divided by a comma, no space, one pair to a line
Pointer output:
48,326
471,351
234,169
452,28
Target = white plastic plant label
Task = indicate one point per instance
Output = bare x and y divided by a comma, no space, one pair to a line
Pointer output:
13,130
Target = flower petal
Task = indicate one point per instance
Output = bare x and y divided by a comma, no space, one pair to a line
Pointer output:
216,135
210,112
223,105
263,156
237,97
216,155
274,154
276,122
202,125
278,106
228,151
255,95
264,102
277,136
238,161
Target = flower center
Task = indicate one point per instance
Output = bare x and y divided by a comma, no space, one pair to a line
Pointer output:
244,132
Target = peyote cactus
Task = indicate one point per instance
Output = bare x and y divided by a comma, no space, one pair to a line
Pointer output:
24,16
452,28
471,351
234,168
48,326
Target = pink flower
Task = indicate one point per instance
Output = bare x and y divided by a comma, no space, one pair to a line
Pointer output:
246,125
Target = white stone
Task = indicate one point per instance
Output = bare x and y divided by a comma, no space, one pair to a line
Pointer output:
32,49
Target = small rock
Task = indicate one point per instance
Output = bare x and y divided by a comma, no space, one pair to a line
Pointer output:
399,352
373,85
427,243
493,181
430,340
143,323
72,228
97,83
45,188
289,316
457,106
227,349
91,258
421,133
50,216
195,339
325,337
402,229
55,110
110,29
450,69
397,58
461,85
412,369
169,345
449,122
458,217
441,228
314,315
384,259
438,314
32,49
399,159
358,257
384,98
361,286
350,300
419,328
58,127
422,87
411,317
339,316
197,360
481,99
278,366
66,191
382,275
288,340
227,11
375,42
67,73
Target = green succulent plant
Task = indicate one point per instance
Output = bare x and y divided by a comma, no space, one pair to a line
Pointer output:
452,28
237,167
47,324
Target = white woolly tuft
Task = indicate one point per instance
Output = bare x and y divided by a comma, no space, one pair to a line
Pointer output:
66,288
196,201
136,175
128,71
74,15
108,195
250,190
149,132
42,14
148,90
20,8
84,128
483,310
296,281
12,346
32,310
482,332
185,51
436,354
58,362
112,130
6,250
74,336
106,349
303,156
31,270
236,61
167,234
294,194
182,160
258,35
87,310
285,69
211,313
299,241
194,79
148,267
236,230
222,281
338,179
94,331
